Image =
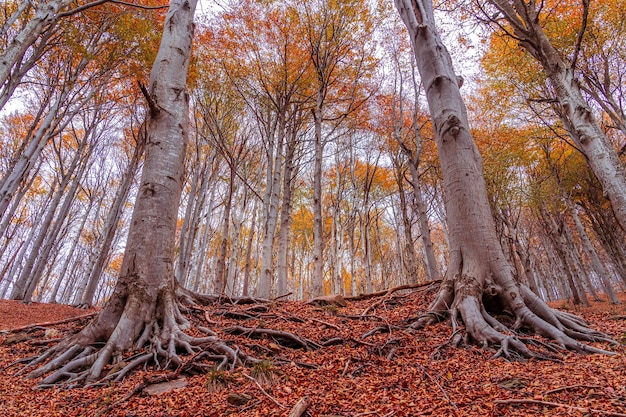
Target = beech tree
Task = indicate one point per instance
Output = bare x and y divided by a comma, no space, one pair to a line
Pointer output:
144,308
479,281
525,22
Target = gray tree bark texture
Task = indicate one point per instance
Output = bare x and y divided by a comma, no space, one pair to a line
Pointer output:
478,276
143,311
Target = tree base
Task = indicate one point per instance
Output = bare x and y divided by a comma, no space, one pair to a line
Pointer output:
464,303
162,340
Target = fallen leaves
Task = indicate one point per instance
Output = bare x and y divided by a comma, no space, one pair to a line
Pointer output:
354,377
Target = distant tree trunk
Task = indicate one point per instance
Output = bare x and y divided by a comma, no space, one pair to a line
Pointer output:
23,281
593,255
248,264
478,277
556,234
185,240
264,287
219,285
285,214
70,253
44,132
317,284
51,235
413,159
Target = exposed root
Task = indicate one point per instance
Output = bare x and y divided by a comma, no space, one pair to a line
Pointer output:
283,338
462,299
96,354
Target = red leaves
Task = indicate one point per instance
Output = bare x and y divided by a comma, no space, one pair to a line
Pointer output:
348,379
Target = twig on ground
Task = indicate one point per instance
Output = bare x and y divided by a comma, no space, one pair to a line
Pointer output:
282,296
554,391
551,404
361,297
263,391
49,323
300,407
325,323
443,391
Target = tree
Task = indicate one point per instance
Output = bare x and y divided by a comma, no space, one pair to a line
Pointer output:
478,281
337,33
144,308
526,26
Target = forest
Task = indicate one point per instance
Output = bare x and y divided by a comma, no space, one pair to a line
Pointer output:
157,158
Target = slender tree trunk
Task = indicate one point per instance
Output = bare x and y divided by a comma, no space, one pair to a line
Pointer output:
11,58
70,255
593,255
51,235
185,242
272,198
317,284
111,224
23,281
248,263
220,265
285,216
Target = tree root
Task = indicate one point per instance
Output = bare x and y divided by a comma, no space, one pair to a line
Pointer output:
84,358
284,338
528,314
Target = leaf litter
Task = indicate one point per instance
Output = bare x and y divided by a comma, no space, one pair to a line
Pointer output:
336,362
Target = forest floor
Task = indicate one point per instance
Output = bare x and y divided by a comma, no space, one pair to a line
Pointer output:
391,373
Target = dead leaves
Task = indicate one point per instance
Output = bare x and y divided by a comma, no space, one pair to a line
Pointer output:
391,373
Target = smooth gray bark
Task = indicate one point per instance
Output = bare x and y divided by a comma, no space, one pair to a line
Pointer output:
143,307
478,269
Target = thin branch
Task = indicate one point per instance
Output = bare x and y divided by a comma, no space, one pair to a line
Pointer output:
263,391
554,391
551,404
154,108
581,33
100,2
49,323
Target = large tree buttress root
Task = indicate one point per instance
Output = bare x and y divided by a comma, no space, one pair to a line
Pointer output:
156,330
474,300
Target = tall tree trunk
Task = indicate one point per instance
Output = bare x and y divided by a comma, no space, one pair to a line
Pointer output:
478,273
248,264
409,260
559,243
23,281
317,284
143,309
285,215
598,267
51,235
270,209
219,285
57,119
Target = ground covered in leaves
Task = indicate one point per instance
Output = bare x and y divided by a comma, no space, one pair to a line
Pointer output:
356,360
